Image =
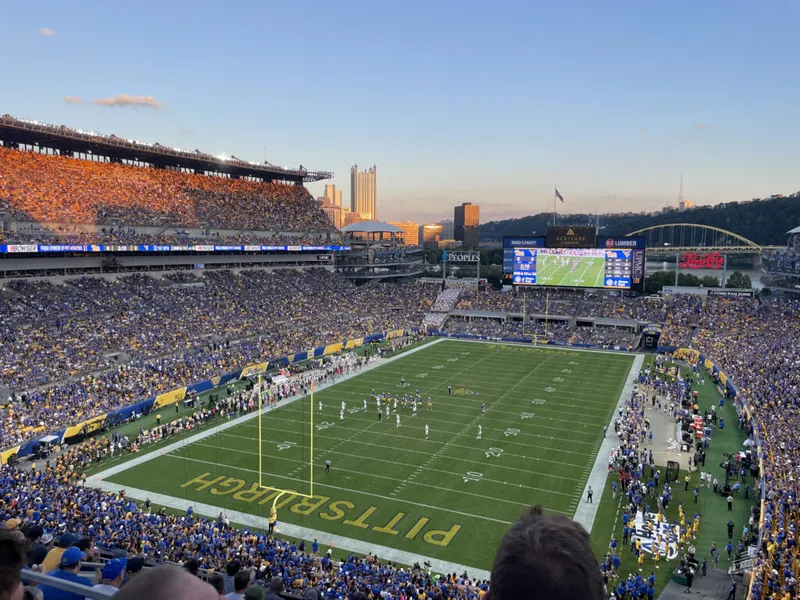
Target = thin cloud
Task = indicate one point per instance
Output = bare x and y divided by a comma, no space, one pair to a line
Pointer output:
184,131
46,32
642,129
73,99
701,126
126,100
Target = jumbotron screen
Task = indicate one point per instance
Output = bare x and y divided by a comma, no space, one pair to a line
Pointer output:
573,267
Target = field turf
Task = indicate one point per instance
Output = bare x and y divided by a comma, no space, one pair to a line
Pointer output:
451,496
590,272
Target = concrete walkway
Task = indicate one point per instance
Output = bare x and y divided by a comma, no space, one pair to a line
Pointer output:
586,512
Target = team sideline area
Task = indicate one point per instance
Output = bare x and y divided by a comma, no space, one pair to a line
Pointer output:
469,434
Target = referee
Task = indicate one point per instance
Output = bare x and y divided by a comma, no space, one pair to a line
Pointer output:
328,466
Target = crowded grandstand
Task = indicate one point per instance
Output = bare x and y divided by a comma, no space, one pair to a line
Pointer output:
81,354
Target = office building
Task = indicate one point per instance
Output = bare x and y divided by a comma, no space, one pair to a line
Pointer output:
333,195
349,217
410,233
429,235
448,230
333,212
467,217
363,192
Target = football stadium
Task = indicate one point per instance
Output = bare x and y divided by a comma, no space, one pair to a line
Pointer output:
210,384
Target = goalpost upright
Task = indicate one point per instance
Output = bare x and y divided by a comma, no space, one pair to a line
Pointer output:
282,492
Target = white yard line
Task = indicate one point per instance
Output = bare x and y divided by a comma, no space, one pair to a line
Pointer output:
473,448
100,480
585,513
505,440
353,417
297,532
208,432
319,484
542,347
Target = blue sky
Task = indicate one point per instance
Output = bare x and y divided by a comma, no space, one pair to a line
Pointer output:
489,102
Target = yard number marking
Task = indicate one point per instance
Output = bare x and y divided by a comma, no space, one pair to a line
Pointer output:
526,415
324,425
472,476
494,452
286,445
511,431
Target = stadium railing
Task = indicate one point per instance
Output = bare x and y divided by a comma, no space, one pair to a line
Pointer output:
29,576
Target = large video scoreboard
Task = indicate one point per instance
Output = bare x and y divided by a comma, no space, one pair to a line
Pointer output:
614,262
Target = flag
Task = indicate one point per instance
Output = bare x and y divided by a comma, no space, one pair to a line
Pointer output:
559,196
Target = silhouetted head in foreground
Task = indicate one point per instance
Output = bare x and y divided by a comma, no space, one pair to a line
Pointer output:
545,557
167,583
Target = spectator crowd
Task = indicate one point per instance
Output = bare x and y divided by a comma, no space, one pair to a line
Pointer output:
567,303
69,352
47,188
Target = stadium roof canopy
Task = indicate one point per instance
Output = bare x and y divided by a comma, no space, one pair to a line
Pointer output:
370,227
67,142
793,231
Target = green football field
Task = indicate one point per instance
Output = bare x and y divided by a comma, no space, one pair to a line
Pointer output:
451,496
552,270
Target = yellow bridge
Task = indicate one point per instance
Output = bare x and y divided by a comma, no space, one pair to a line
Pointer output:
679,238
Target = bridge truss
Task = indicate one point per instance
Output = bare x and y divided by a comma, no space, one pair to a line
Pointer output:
679,238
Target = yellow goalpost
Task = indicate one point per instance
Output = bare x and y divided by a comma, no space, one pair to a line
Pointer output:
282,492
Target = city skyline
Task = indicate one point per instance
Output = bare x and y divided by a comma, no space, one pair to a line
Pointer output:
364,192
487,106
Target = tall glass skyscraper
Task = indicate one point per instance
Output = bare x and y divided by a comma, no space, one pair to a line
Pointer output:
363,192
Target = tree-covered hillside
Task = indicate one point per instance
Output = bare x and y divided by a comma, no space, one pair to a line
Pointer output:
763,221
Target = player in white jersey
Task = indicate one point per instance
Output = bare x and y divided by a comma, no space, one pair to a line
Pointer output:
395,403
397,418
344,406
365,404
387,410
341,415
414,408
378,402
480,433
426,431
320,408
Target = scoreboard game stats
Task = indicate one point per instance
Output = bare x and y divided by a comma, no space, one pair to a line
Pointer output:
613,262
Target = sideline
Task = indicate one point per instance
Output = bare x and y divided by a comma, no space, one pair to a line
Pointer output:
208,432
99,480
545,347
586,513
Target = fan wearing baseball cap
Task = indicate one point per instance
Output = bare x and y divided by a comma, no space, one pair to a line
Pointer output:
68,567
53,558
113,574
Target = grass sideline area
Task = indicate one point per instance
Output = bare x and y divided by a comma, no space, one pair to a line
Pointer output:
545,411
176,411
712,507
